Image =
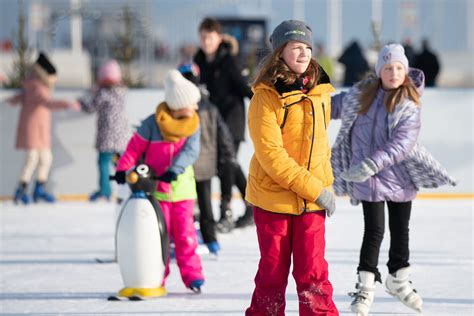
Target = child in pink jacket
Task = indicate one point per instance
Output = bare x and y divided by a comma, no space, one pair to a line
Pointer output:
34,128
169,139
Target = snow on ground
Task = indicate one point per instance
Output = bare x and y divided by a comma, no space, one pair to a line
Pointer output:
47,263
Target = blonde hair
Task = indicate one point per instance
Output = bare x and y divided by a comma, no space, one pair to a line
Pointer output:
393,97
272,68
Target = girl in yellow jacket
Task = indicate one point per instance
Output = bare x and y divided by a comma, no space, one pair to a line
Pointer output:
290,174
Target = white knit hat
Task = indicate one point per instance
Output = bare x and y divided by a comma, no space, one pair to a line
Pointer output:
180,93
389,54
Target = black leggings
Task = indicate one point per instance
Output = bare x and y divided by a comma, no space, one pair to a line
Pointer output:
398,222
206,216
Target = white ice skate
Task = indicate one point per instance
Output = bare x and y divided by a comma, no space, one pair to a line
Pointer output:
363,298
400,286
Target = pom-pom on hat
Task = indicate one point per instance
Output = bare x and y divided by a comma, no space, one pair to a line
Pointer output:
190,71
389,54
45,64
180,93
109,73
291,30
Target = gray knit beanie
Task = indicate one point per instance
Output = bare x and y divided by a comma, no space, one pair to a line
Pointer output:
389,54
291,30
180,93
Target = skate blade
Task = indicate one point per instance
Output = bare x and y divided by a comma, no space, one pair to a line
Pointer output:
116,298
99,260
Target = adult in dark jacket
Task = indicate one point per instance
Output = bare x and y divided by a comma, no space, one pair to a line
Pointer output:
227,89
215,138
356,64
427,61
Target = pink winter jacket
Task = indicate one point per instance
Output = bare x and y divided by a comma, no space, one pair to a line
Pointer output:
34,125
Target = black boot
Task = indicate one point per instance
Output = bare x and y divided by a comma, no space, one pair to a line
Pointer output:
226,222
247,218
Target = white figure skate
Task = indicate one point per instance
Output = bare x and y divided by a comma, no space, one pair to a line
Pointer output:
400,286
363,298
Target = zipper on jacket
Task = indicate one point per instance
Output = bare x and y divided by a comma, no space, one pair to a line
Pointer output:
324,116
312,143
372,144
170,192
284,117
285,107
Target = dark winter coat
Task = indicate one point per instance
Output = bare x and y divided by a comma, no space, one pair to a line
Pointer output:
226,86
356,64
429,64
112,126
389,139
216,141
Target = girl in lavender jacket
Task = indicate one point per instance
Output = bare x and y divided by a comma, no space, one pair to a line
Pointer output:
376,160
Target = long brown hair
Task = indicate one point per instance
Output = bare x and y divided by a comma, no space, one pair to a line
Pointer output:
273,68
393,97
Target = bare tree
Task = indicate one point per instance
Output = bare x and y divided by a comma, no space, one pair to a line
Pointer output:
125,49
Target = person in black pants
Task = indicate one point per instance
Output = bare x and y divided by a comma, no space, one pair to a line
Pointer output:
398,222
376,160
227,90
216,142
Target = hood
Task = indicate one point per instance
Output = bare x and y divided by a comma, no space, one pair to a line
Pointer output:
323,85
231,43
293,96
228,48
418,78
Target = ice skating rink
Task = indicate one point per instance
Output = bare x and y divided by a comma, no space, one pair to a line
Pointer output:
48,267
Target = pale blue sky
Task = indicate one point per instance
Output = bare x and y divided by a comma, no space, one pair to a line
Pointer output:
444,22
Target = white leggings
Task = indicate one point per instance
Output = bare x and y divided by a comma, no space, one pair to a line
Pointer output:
42,158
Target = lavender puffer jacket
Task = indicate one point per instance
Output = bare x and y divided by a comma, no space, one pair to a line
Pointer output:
389,139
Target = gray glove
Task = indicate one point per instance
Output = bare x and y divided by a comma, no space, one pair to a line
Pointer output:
327,200
360,172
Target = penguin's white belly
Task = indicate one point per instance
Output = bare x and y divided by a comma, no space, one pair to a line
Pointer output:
139,252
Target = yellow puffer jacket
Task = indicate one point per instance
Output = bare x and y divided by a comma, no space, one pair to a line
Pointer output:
291,164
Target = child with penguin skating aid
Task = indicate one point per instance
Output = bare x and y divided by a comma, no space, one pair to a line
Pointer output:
169,140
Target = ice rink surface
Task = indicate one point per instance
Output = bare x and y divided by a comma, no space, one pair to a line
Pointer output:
48,267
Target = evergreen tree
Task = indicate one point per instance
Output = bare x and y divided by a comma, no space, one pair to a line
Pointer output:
22,60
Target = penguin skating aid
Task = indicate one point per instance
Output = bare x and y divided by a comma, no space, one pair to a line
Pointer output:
141,239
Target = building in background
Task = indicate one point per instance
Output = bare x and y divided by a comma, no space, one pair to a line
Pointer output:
160,27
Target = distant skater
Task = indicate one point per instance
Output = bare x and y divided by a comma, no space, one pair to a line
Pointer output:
34,128
108,100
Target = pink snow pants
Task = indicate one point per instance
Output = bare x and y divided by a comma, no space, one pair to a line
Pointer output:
280,235
180,225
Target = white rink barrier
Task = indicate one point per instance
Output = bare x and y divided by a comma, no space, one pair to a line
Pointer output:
447,131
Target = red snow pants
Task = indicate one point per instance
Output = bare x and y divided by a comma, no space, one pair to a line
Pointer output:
180,224
280,236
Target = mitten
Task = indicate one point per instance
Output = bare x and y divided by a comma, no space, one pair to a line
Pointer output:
327,200
168,176
120,177
74,106
360,172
